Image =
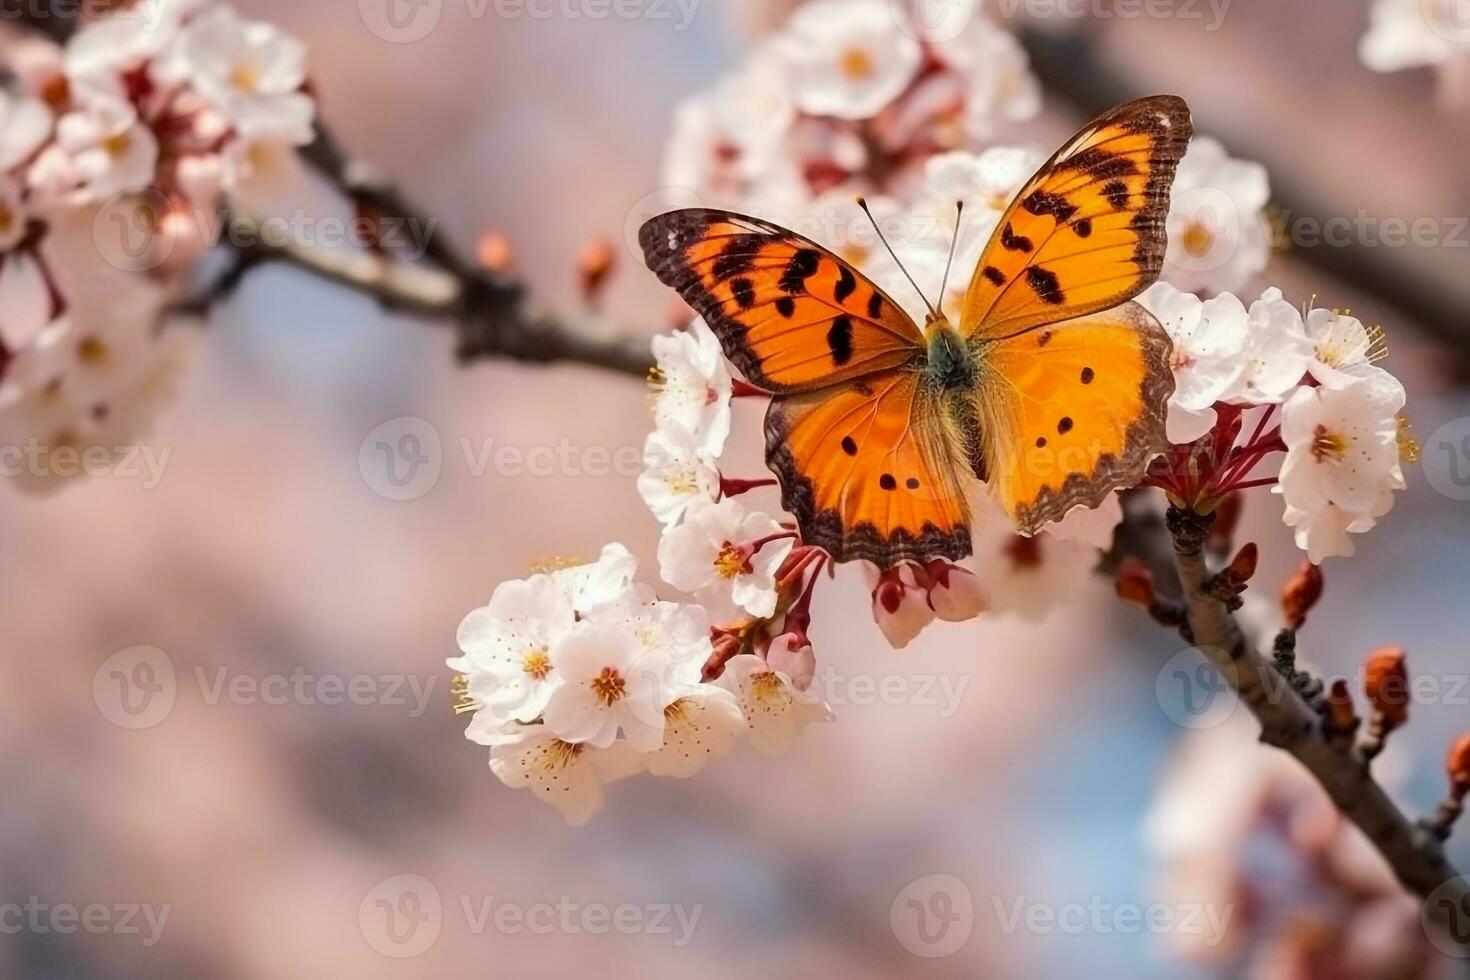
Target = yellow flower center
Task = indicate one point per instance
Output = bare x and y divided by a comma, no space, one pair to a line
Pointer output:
730,561
681,712
559,755
117,146
1198,238
1328,445
246,78
92,351
857,64
536,664
767,688
609,686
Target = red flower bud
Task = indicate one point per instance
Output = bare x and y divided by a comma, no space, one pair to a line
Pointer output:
1300,594
1386,682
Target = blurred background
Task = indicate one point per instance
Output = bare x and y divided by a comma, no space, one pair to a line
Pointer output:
266,830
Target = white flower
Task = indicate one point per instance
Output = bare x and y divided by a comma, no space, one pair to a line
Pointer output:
693,386
775,711
1343,350
726,557
998,84
675,635
791,654
13,217
675,473
591,584
568,776
901,605
703,721
1218,236
609,683
507,648
955,594
1342,463
25,123
847,58
124,39
1410,33
1209,354
26,305
1277,352
110,150
251,71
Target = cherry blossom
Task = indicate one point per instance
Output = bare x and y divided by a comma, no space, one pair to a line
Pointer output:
570,776
507,648
1277,351
609,684
846,59
701,722
727,557
1210,340
775,710
676,473
692,386
1218,235
901,606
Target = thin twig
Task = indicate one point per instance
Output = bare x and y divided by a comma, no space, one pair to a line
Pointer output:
1291,724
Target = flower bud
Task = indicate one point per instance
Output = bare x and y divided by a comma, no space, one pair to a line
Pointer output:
494,253
956,594
595,264
1386,682
791,654
1300,594
1457,764
1341,718
1135,583
901,605
1243,566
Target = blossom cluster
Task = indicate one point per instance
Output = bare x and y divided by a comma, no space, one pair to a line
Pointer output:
581,676
145,118
1318,407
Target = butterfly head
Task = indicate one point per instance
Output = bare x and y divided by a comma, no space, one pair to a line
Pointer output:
951,363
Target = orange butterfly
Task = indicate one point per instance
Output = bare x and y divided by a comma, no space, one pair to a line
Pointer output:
1049,390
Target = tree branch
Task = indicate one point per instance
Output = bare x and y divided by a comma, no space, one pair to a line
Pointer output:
1291,724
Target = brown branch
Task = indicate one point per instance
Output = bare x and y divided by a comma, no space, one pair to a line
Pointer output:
1289,722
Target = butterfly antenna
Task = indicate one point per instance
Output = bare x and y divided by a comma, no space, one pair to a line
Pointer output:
959,212
863,203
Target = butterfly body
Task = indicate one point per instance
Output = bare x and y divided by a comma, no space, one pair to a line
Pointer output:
1051,387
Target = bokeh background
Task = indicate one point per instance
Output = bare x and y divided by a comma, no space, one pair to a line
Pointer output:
264,550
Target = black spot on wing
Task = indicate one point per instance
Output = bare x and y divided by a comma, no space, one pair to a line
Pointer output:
744,292
803,265
786,306
839,340
1042,203
1013,242
1064,425
737,257
875,306
1083,227
849,445
996,277
887,482
1117,194
846,284
1045,284
1087,375
1101,165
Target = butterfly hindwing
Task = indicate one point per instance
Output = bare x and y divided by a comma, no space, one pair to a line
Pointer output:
1087,232
868,470
1073,411
790,315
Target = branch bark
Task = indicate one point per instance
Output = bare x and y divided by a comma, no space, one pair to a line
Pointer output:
1290,723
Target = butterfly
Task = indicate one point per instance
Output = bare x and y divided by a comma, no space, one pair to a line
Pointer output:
1051,389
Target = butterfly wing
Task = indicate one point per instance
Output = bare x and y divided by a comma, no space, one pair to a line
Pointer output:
1087,232
1070,412
790,315
866,467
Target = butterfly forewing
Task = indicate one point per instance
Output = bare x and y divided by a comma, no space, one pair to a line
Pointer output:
1087,232
790,315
